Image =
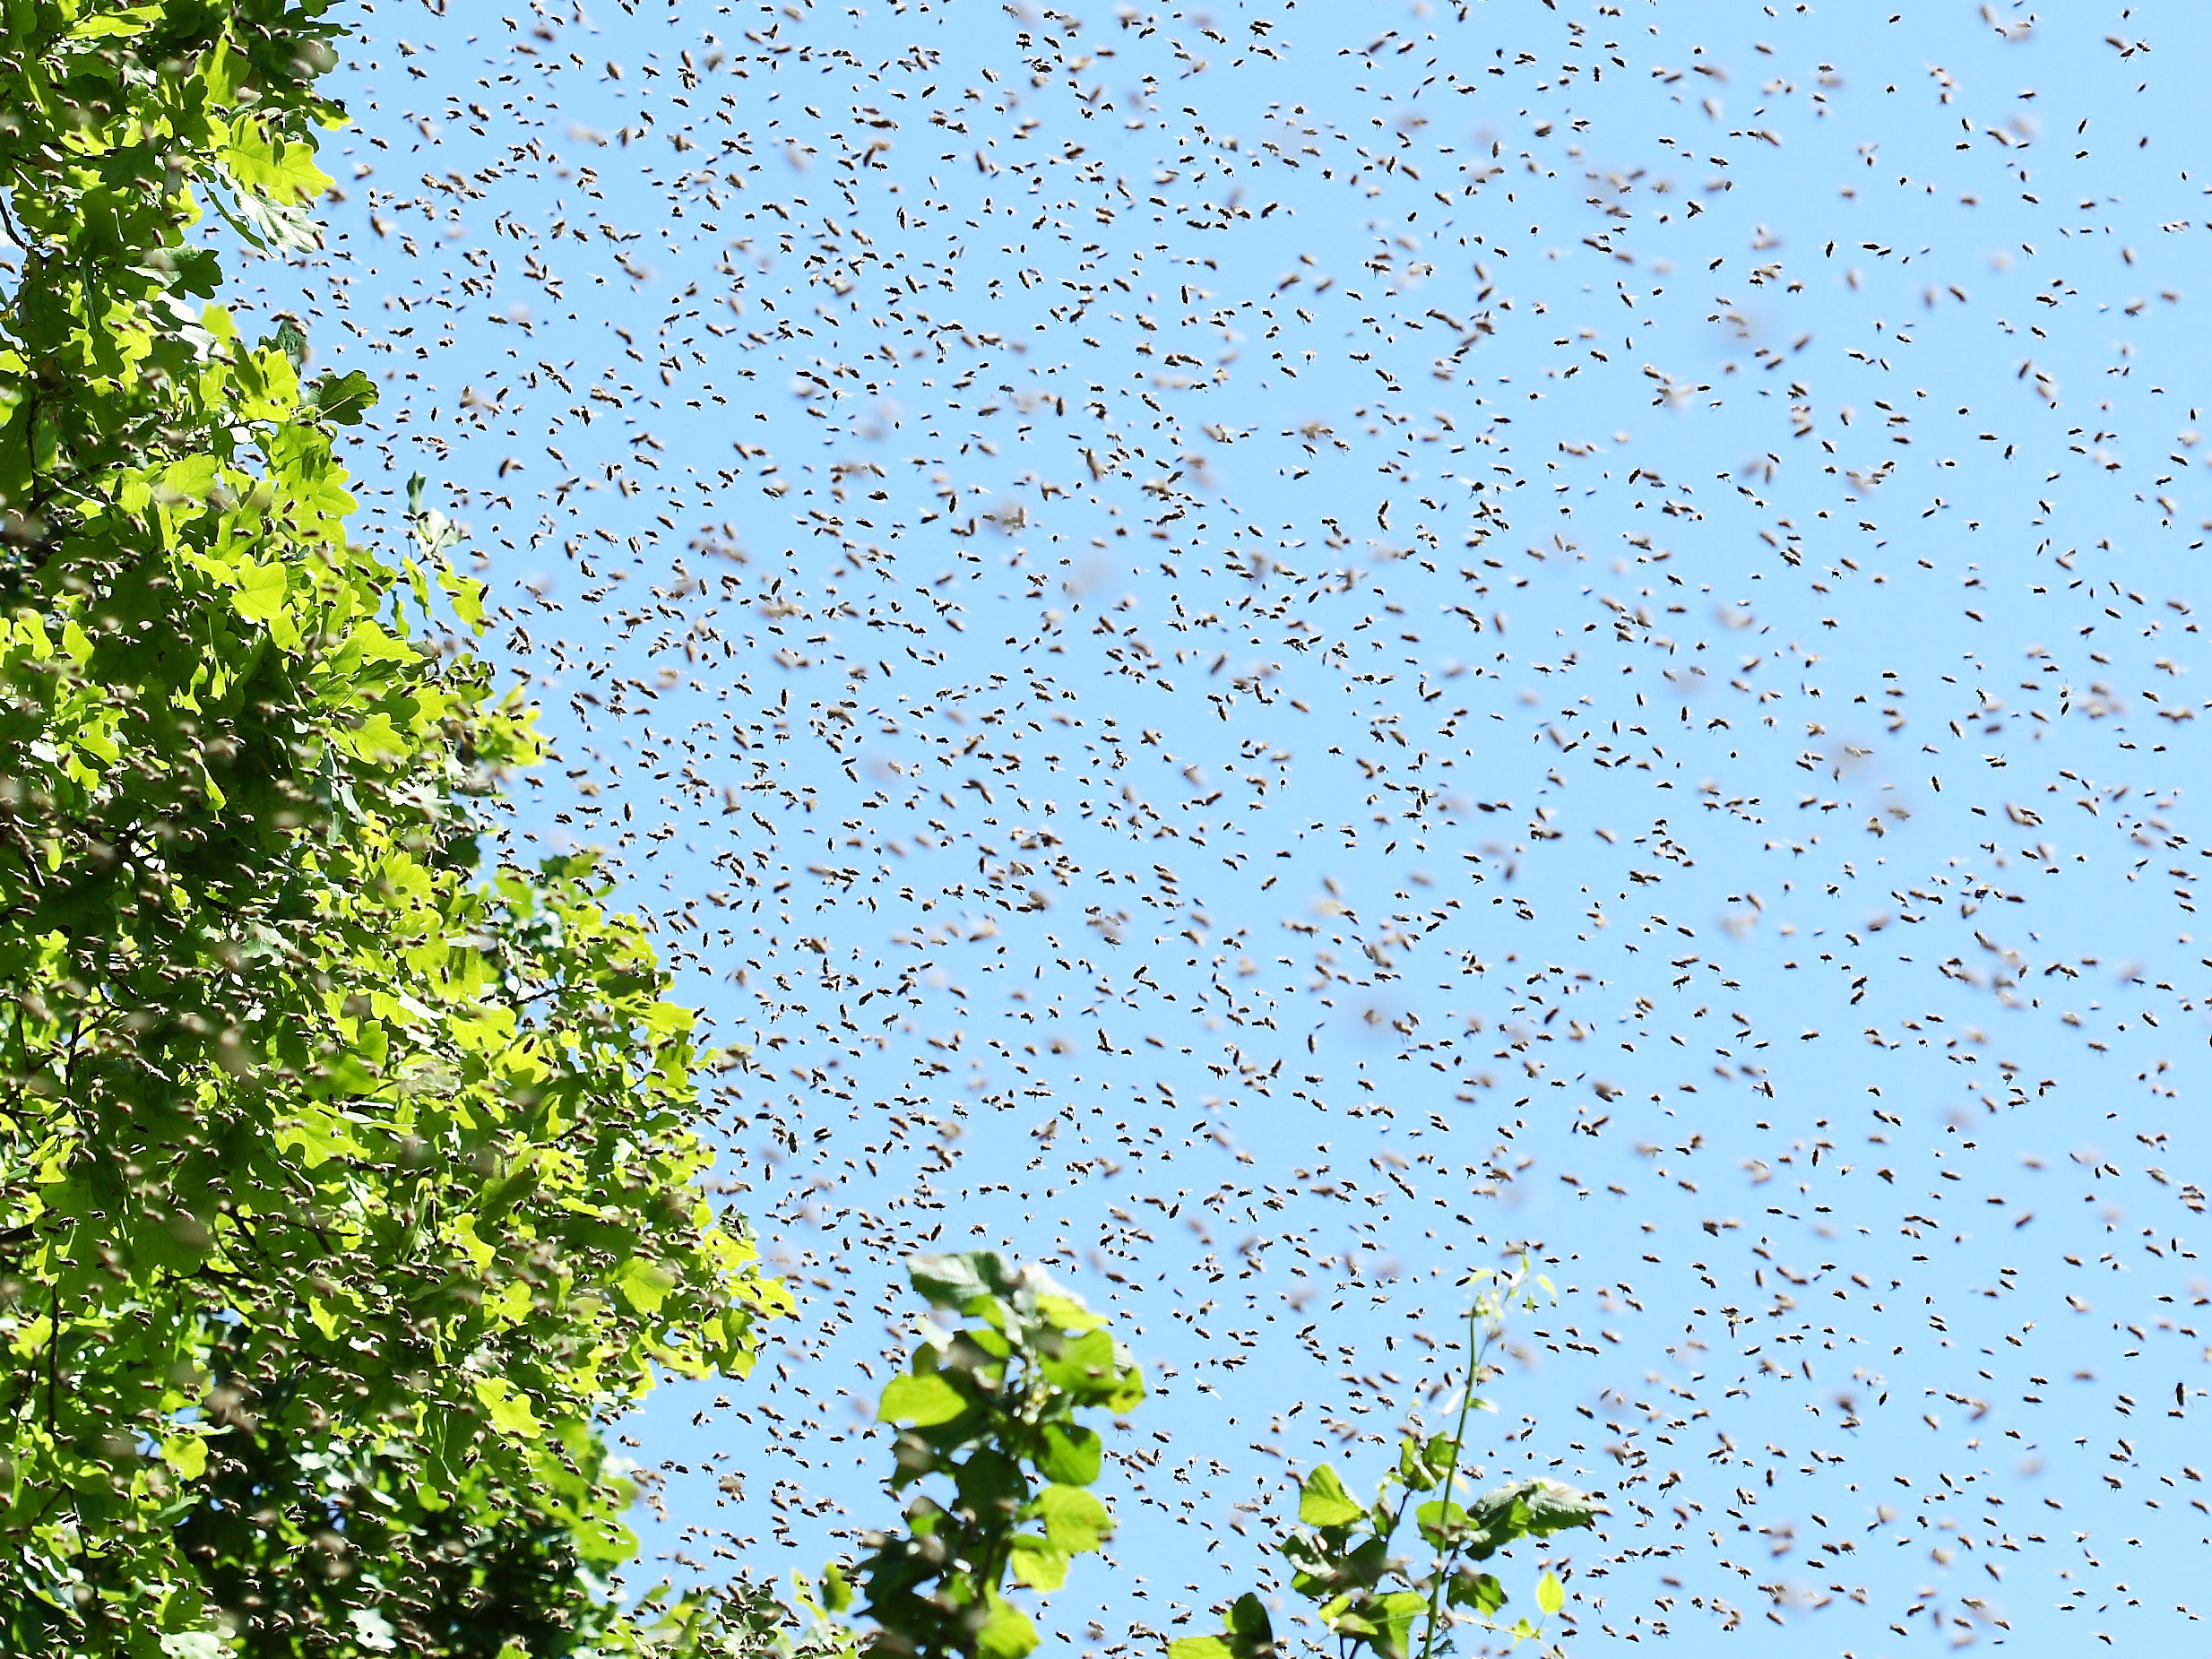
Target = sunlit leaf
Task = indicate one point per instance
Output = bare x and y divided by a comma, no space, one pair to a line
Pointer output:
1074,1520
1323,1501
1038,1563
921,1400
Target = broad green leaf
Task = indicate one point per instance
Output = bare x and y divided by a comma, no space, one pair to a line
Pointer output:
1413,1467
644,1283
1038,1563
1251,1633
1440,1521
259,596
1397,1610
1073,1454
1127,1392
1484,1592
375,738
667,1019
1550,1593
113,25
991,1486
1323,1501
923,1401
186,1453
190,476
1067,1313
1533,1508
1554,1507
345,399
1347,1615
510,1409
283,171
1006,1632
1200,1647
955,1282
1074,1520
1089,1368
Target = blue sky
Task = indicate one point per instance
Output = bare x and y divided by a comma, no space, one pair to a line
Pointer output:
1270,649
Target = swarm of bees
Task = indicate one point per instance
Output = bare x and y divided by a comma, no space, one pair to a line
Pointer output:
1267,650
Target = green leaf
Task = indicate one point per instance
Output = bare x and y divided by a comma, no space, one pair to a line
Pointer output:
1080,1364
1200,1647
1006,1632
1550,1593
517,1185
128,21
923,1401
1396,1609
289,339
186,1453
991,1485
1038,1563
1092,1370
1484,1592
1533,1508
1384,1622
510,1409
192,476
1073,1454
283,171
955,1282
1554,1507
644,1283
1127,1392
1063,1311
259,596
1251,1633
1074,1520
979,1353
345,399
1413,1467
1323,1501
1440,1522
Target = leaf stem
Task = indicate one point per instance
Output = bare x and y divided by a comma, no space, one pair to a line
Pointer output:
1481,1316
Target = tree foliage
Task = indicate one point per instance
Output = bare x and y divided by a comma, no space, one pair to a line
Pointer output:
998,1464
346,1178
1341,1553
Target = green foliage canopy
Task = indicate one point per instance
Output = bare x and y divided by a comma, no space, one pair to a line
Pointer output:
346,1178
996,1460
1342,1554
